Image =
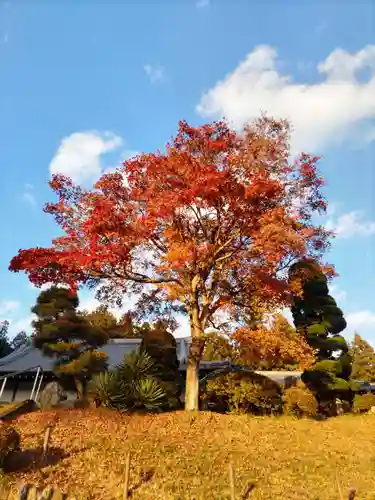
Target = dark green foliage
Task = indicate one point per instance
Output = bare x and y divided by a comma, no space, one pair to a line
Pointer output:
363,356
363,402
317,317
5,346
243,393
105,390
160,345
131,387
299,401
67,337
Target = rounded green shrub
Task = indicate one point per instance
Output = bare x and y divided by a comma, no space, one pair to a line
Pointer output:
299,401
243,393
363,402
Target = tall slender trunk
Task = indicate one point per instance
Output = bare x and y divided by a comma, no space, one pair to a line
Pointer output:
192,372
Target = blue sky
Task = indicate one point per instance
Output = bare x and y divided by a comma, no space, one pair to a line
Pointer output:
85,84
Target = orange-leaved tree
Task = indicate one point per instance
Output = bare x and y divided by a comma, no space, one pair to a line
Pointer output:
273,347
209,225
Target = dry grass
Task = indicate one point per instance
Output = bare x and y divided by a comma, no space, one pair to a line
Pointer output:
182,456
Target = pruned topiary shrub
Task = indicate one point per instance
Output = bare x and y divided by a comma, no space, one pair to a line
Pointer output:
9,441
243,393
299,401
363,402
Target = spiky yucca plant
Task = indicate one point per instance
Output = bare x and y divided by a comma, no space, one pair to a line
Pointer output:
130,387
106,389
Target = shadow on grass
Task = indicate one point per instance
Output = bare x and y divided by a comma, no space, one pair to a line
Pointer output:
145,477
33,459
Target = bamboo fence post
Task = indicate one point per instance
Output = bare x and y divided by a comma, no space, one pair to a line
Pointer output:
231,481
127,476
47,437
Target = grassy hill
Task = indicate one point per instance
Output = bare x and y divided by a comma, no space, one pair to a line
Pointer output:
180,456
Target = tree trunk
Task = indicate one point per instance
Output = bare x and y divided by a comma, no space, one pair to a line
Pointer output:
192,373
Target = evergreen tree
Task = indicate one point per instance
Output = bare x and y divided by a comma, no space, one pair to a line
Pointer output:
5,347
21,339
318,318
67,337
363,356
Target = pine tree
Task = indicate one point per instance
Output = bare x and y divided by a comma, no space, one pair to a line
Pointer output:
318,318
363,355
20,340
68,338
5,347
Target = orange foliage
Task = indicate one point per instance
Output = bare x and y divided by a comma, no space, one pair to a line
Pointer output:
218,218
214,223
276,347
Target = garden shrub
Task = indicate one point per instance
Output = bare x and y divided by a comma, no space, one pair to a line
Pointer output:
161,346
299,401
243,393
363,402
130,387
9,441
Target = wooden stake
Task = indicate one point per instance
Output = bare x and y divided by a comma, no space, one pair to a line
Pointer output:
352,493
127,476
339,486
47,437
231,482
247,490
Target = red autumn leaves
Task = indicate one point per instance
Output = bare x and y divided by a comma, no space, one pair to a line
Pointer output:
213,222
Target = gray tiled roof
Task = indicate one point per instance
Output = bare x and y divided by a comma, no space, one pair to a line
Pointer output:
27,357
31,358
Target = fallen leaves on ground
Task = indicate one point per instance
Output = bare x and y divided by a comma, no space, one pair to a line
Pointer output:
185,456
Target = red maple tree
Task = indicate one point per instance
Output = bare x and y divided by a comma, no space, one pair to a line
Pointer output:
210,225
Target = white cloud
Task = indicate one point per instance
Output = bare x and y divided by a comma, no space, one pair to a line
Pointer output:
88,302
9,306
21,324
45,286
320,113
28,195
201,4
322,26
337,293
359,321
155,73
125,155
79,154
351,224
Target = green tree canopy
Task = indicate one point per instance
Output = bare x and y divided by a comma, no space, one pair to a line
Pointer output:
67,337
